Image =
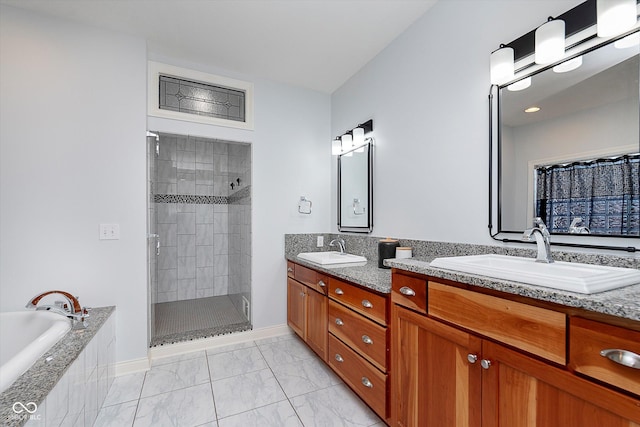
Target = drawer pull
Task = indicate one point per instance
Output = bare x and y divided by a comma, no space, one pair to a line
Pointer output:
289,270
322,284
339,291
366,303
472,358
367,340
622,357
407,291
339,358
366,382
485,363
339,321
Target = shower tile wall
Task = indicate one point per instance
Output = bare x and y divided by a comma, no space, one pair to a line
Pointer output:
194,243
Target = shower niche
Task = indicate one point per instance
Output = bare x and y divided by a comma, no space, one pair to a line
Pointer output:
199,237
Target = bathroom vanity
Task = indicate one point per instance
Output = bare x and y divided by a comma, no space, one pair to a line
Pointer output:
428,347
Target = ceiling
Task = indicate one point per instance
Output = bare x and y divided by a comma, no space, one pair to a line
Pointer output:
316,44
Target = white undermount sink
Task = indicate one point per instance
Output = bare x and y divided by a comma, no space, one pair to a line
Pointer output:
568,276
332,258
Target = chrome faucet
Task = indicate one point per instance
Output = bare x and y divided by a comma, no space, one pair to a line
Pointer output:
540,233
340,243
69,308
577,228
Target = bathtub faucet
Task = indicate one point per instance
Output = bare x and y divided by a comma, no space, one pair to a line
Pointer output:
70,309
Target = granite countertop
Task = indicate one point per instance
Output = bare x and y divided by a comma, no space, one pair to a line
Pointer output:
35,384
623,302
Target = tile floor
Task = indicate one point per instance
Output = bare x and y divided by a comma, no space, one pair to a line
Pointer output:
273,382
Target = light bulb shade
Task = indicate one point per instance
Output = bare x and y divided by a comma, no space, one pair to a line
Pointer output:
615,16
520,85
569,65
502,66
550,42
358,137
347,142
336,147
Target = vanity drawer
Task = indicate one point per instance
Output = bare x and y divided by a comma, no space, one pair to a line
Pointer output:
409,292
311,278
369,383
359,333
588,338
537,330
291,269
361,300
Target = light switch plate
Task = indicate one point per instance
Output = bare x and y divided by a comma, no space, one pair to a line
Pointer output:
109,231
320,242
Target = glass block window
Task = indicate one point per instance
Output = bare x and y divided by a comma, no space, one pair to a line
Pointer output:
192,97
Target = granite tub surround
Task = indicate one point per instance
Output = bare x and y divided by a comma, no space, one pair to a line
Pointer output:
70,381
623,302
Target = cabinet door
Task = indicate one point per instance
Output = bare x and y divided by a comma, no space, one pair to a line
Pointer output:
317,323
433,382
297,307
518,390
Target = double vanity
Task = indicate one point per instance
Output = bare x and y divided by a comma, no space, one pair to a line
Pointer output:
429,346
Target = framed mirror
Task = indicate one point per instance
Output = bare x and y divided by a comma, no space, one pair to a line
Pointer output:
567,145
355,190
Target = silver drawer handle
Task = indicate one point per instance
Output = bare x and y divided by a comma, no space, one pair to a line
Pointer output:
339,358
485,363
367,340
472,358
289,270
321,284
339,291
339,321
407,291
366,303
366,382
622,357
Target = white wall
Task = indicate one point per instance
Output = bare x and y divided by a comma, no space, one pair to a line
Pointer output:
72,156
73,121
427,94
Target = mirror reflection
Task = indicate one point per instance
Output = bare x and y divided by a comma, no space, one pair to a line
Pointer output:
355,170
569,143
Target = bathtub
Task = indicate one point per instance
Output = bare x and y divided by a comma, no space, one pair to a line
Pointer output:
25,336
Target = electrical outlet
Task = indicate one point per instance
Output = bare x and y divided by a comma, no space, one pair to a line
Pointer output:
109,231
320,242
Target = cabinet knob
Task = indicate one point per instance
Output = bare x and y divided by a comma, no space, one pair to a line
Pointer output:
301,294
366,382
366,303
622,357
485,363
367,340
289,270
472,358
407,291
322,284
339,321
339,358
339,291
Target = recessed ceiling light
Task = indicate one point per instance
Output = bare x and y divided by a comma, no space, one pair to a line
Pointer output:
520,85
569,65
630,41
532,110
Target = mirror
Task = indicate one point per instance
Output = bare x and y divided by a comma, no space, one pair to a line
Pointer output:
587,117
355,190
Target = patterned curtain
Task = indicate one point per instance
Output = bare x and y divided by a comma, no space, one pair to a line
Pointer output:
605,193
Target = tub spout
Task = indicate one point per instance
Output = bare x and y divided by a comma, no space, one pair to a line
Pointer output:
70,308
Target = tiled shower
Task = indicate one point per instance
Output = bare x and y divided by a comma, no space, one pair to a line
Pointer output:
199,237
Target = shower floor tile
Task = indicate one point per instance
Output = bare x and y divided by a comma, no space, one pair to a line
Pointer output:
185,320
273,396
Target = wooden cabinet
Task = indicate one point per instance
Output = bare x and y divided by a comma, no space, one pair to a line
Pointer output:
297,307
465,363
307,314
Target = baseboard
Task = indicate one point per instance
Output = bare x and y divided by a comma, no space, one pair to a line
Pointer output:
220,341
132,366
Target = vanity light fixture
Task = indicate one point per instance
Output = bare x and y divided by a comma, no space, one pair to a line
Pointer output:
614,17
520,85
549,41
532,110
630,41
352,140
569,65
502,65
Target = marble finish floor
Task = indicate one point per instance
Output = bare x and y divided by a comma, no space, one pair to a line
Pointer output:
276,382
